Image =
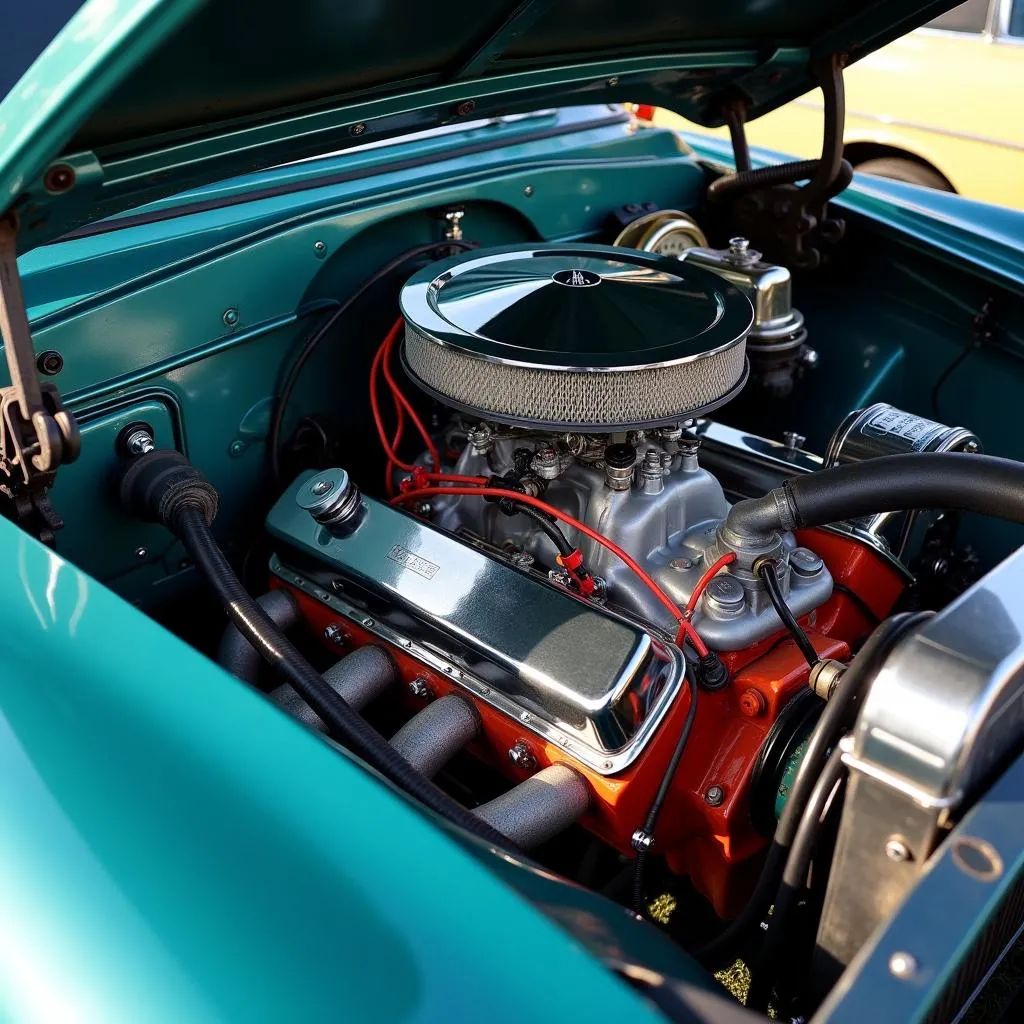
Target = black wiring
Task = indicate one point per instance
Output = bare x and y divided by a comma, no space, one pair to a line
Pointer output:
794,881
766,571
653,813
862,606
558,538
309,347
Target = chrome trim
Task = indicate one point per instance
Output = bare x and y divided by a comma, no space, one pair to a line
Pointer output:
949,701
419,307
601,762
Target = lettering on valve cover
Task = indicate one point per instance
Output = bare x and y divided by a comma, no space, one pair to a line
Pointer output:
420,566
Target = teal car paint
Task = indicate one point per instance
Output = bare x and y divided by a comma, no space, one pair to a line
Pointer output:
176,849
199,186
101,94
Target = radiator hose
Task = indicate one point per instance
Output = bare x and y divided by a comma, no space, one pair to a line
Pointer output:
893,483
162,486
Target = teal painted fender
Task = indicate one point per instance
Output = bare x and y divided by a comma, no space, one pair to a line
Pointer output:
173,848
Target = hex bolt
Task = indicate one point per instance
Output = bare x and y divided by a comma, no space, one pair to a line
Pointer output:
519,754
528,191
357,129
141,553
335,634
714,796
752,702
320,248
681,564
138,440
420,688
902,965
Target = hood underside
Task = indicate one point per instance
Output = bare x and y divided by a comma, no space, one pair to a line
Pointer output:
137,99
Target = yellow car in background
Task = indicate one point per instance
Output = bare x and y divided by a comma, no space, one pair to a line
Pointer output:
938,107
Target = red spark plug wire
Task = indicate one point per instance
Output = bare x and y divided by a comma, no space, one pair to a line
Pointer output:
709,575
686,630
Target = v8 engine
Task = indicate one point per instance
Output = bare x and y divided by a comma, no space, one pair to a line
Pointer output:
574,582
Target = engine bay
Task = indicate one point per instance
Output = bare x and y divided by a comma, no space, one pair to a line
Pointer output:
556,611
552,581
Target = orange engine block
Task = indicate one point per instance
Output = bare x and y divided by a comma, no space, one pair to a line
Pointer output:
705,831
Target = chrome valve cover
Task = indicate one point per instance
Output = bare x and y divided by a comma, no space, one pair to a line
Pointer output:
591,681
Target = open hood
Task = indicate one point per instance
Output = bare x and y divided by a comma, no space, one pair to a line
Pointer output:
137,99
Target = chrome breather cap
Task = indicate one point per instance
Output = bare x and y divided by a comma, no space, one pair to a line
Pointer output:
330,498
582,337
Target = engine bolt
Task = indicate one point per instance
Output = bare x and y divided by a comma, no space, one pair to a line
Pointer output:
902,965
896,849
519,754
752,703
335,634
714,796
681,564
420,688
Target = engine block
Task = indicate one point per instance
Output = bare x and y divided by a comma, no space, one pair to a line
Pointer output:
590,689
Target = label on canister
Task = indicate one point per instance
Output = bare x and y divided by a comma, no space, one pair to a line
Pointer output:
916,431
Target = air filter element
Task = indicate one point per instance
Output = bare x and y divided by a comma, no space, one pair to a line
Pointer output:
575,337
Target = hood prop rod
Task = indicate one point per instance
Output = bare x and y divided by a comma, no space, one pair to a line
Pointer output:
37,433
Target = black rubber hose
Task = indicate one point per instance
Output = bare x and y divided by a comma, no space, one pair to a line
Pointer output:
311,343
766,572
794,880
559,539
896,483
654,811
892,483
731,185
343,723
836,718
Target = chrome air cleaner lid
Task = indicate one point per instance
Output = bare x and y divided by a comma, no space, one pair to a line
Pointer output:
581,337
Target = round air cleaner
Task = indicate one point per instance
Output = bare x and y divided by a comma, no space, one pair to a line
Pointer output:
580,337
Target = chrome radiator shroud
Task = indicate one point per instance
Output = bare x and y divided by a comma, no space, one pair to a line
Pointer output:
593,682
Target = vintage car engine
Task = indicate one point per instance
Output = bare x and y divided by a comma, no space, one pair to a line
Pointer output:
579,376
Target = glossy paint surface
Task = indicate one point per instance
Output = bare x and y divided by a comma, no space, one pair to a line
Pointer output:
144,98
172,847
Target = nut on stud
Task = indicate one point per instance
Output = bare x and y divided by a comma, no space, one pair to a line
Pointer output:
335,634
714,796
420,688
521,756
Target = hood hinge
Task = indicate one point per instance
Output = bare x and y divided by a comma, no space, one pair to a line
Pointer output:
37,433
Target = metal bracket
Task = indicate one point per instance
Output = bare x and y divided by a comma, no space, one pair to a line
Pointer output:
790,223
37,433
